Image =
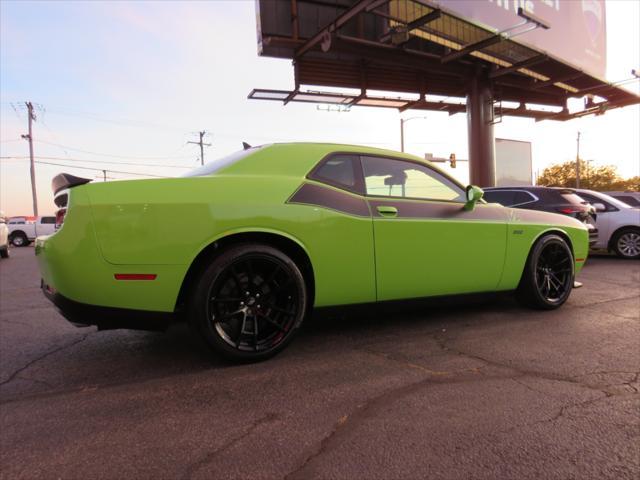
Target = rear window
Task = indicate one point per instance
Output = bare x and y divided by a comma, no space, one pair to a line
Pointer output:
214,166
48,220
572,198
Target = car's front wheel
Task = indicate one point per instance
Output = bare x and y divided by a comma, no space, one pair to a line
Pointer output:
548,276
626,243
249,302
19,240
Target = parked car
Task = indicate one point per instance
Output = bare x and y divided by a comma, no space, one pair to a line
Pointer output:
23,231
630,198
618,224
548,199
245,246
4,237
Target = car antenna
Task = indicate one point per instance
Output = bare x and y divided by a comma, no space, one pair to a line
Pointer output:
245,145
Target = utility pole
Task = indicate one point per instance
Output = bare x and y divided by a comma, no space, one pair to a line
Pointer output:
29,137
202,145
578,161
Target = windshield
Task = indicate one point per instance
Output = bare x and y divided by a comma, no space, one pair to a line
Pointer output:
214,166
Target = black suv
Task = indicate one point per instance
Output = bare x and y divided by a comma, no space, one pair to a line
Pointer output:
549,199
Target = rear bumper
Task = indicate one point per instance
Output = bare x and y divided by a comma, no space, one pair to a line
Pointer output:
106,318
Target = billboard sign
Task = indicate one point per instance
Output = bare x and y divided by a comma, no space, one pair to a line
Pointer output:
577,34
513,163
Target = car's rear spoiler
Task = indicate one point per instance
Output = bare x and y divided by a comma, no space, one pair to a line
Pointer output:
66,180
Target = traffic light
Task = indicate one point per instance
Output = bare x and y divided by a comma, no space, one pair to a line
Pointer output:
452,160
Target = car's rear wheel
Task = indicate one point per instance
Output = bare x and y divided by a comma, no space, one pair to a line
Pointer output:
249,302
19,240
548,276
626,243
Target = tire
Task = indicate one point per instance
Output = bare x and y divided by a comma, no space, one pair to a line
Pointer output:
4,252
19,240
244,287
626,243
548,276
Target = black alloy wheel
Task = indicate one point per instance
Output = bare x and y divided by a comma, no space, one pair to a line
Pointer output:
250,302
549,274
554,273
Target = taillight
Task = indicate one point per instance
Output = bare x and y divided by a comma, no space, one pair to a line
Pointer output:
60,217
569,210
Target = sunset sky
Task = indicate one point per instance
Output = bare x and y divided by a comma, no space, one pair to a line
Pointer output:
131,83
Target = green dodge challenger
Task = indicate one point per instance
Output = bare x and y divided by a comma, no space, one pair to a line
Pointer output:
245,246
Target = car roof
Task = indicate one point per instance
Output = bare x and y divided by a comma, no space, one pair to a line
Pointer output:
534,188
298,158
347,147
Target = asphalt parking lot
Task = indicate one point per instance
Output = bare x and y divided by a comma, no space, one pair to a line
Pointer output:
474,389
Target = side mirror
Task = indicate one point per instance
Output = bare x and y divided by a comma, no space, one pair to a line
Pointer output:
600,207
473,195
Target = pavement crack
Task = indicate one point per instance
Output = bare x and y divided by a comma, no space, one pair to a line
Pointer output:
209,457
415,366
529,387
363,412
15,374
34,380
520,371
595,304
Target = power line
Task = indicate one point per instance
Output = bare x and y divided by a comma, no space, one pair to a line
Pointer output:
96,161
108,154
102,170
122,122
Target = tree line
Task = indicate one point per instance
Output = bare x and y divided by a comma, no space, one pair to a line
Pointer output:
599,177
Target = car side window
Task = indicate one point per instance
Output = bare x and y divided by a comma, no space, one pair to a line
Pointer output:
48,220
389,177
340,170
503,197
522,197
628,200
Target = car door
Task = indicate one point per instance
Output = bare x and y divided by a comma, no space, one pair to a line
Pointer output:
334,223
426,243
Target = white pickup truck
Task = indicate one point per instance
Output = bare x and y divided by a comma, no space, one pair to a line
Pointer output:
23,231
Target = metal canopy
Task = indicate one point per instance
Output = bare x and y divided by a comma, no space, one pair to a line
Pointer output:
419,48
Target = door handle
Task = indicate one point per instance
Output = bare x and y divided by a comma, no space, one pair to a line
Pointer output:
387,210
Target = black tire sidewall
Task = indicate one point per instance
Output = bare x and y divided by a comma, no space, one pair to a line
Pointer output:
198,300
616,238
528,289
23,239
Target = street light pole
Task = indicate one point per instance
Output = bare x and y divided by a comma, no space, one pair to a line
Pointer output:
402,122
